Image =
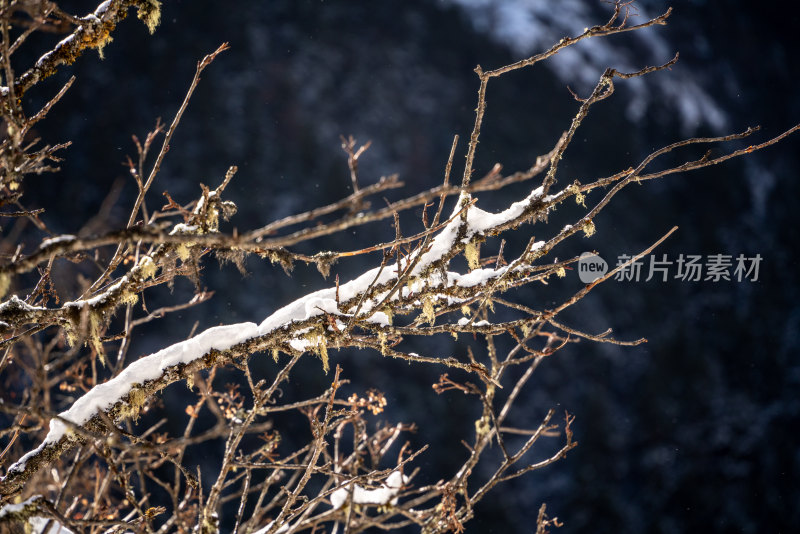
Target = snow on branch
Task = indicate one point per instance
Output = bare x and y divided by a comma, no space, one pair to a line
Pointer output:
416,289
284,329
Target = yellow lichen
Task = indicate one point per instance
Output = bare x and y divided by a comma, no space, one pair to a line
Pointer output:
183,251
526,329
275,355
535,254
483,426
588,228
101,43
71,335
561,272
322,351
128,297
93,340
136,400
382,339
466,310
5,283
580,199
427,310
473,254
319,344
147,267
213,219
150,14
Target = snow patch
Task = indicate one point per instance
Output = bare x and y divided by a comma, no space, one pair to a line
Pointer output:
386,494
326,301
37,524
59,239
268,526
479,221
465,321
182,228
104,396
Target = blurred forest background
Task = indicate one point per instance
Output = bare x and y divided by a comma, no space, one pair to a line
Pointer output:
697,429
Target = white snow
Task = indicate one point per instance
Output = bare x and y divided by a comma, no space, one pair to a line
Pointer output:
58,239
464,321
12,508
37,524
104,396
379,318
477,277
324,301
65,40
268,526
440,244
202,202
479,221
384,495
182,228
102,8
16,302
99,298
300,344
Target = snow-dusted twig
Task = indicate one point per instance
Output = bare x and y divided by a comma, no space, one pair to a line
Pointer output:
417,287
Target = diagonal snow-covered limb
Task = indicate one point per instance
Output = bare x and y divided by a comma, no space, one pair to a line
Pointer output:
124,394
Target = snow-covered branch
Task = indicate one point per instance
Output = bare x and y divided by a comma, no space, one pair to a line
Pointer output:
135,468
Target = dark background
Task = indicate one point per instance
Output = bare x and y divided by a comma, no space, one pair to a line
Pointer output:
694,431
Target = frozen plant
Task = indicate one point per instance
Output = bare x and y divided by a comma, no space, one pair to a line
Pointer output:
95,458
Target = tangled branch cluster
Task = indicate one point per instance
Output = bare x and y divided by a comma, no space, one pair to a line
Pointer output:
96,469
